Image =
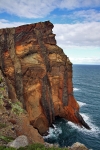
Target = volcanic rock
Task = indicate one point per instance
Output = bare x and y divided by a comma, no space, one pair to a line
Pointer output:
38,74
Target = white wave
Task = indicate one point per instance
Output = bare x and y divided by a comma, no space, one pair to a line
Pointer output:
85,117
76,89
81,103
53,132
95,131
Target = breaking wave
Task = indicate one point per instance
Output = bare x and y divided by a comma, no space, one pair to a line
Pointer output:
81,103
53,132
95,131
76,89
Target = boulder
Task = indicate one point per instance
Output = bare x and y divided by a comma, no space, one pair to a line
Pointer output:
78,146
20,141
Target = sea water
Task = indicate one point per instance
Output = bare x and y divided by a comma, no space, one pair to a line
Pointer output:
86,87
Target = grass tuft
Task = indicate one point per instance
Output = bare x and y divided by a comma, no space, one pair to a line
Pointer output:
6,139
3,125
35,146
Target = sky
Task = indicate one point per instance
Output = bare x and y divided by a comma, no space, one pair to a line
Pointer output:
76,24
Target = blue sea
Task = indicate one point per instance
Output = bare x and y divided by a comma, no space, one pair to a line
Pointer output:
86,87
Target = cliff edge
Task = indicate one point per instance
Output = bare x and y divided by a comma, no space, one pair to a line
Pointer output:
38,74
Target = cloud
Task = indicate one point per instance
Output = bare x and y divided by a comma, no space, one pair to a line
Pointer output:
28,9
86,15
85,60
80,34
76,16
79,39
6,23
90,15
42,8
72,4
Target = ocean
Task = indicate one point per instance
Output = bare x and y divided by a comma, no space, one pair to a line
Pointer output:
86,87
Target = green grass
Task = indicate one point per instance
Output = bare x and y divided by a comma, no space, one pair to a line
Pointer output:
3,125
6,148
17,108
35,146
6,139
2,88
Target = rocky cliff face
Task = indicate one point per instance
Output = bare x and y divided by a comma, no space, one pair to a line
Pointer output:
38,74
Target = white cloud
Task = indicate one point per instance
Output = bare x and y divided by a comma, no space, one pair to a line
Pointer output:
41,8
6,24
90,15
87,15
85,60
79,39
28,8
79,3
80,34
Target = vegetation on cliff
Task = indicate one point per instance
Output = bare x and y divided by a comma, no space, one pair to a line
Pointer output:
35,146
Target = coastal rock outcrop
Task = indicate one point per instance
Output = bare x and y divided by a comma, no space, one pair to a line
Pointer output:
38,74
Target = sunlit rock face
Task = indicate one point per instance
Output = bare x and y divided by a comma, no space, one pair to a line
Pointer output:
38,74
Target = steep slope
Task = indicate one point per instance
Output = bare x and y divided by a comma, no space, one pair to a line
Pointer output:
38,74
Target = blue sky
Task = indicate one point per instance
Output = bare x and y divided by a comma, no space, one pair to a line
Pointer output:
76,24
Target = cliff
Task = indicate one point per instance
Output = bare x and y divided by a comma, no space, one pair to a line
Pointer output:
38,74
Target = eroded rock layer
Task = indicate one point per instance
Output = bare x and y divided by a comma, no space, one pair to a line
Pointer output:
38,74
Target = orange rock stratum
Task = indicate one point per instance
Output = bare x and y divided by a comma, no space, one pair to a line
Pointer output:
38,74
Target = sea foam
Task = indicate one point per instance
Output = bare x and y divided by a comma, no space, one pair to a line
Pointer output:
81,103
94,129
76,89
53,132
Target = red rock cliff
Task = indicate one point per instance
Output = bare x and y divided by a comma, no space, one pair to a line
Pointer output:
38,74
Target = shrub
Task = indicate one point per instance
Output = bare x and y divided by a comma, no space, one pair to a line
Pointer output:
6,139
35,146
3,125
17,108
7,148
38,146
